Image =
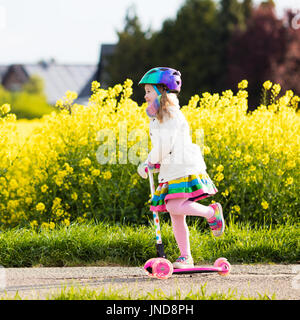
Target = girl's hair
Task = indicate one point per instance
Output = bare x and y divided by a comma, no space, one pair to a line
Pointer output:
165,102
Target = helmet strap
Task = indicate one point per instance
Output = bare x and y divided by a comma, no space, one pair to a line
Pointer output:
157,91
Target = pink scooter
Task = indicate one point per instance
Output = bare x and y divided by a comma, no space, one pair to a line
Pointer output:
162,268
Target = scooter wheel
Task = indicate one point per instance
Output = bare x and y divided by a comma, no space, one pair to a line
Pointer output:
162,268
224,264
148,267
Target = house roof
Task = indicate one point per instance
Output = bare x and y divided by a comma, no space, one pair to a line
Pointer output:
106,51
60,78
3,69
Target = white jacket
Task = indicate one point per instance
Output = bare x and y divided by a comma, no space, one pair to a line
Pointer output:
173,148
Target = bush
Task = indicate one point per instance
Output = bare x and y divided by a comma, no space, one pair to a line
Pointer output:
53,174
26,105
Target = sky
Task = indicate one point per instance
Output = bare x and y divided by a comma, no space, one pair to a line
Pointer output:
72,31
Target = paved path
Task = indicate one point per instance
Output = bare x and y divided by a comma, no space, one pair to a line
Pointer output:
38,283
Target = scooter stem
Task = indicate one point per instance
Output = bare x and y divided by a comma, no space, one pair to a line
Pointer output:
159,244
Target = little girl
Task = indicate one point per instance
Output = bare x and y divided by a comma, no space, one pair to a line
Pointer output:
182,175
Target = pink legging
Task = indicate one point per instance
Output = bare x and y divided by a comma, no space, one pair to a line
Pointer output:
179,209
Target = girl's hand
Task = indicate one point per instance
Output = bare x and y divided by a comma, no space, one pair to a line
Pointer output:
143,169
153,167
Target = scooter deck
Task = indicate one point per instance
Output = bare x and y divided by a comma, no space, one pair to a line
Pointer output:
197,270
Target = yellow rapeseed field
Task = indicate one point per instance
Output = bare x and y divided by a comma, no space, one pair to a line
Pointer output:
80,162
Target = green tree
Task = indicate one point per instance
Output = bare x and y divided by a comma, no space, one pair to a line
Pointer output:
29,103
188,44
132,57
247,8
194,42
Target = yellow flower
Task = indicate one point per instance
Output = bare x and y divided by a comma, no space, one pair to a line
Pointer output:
5,108
219,176
40,206
67,222
45,225
253,178
128,83
276,88
71,95
106,175
206,150
243,84
294,101
86,162
44,188
237,208
247,158
74,196
58,180
68,169
33,224
238,153
28,200
59,104
220,168
95,172
59,212
267,85
57,202
87,195
289,93
280,172
13,184
243,94
265,204
51,225
20,192
2,181
12,205
118,89
289,181
95,86
225,193
291,164
62,174
265,159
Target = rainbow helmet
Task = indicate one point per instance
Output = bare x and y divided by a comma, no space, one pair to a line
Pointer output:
171,78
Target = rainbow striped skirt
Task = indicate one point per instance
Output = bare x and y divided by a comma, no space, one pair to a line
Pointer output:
193,187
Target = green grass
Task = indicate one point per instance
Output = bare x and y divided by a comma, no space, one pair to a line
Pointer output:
85,293
101,244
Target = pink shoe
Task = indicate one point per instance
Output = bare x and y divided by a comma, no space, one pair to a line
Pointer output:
217,223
